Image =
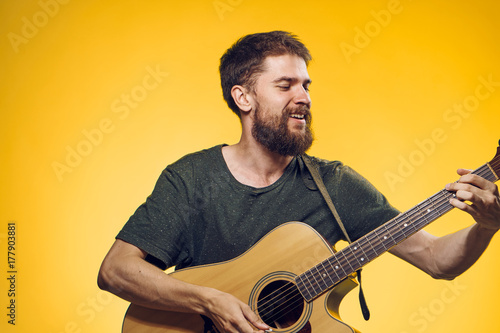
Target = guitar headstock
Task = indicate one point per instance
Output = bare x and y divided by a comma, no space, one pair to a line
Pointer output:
495,162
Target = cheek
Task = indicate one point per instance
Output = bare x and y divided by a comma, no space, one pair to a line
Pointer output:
277,101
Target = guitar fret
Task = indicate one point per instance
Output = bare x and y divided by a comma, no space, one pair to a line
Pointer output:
312,281
405,226
395,231
347,260
381,238
431,212
363,258
370,243
364,252
317,286
303,288
360,244
353,254
443,194
370,254
440,202
300,285
319,281
417,215
419,218
424,212
327,274
320,271
393,241
328,261
487,172
398,230
339,269
446,197
376,243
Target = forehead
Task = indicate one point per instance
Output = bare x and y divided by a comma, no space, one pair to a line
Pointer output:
290,66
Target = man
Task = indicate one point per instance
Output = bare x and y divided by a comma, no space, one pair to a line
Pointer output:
213,205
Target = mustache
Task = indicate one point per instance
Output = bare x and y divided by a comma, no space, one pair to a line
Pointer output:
300,110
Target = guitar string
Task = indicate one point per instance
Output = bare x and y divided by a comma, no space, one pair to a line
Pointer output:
369,240
442,202
438,206
292,305
273,297
291,293
372,239
376,239
270,300
347,256
495,164
295,300
341,261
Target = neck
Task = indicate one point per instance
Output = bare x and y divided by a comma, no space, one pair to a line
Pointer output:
253,165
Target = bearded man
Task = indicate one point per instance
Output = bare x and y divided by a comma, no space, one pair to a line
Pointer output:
213,205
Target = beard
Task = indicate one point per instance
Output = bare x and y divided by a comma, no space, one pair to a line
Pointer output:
275,134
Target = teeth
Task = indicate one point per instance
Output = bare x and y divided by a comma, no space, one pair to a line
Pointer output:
298,116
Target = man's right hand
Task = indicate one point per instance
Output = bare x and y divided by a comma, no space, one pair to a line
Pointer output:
125,273
231,315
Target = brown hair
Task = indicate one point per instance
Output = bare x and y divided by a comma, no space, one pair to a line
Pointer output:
244,59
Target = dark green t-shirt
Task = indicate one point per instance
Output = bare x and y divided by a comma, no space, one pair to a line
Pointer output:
198,213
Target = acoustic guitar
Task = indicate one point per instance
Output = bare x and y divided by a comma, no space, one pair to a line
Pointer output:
300,284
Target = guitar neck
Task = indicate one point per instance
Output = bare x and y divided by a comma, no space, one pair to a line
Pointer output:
331,271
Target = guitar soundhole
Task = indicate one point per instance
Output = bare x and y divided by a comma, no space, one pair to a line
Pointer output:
280,304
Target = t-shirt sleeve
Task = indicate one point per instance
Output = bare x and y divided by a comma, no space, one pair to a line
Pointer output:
158,225
360,205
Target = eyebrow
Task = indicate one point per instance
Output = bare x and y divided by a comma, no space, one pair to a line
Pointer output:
290,79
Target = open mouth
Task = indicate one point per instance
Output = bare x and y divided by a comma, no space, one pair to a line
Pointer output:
297,116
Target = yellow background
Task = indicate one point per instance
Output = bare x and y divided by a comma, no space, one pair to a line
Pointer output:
66,75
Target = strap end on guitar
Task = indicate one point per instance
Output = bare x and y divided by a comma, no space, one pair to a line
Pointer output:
362,301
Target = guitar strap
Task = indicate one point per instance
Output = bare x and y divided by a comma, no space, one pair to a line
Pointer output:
321,186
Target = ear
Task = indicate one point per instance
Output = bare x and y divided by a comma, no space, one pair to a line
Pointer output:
242,98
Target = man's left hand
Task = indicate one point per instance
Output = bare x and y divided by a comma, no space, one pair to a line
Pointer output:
478,197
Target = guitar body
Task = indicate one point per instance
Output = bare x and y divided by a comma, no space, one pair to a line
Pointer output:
254,277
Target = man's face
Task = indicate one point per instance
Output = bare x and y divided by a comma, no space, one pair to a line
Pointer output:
282,116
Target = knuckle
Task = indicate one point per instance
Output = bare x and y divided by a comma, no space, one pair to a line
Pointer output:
470,187
466,178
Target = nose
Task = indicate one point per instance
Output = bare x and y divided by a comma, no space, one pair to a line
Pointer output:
302,96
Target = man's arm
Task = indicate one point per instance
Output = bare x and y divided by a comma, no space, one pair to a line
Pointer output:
125,273
449,256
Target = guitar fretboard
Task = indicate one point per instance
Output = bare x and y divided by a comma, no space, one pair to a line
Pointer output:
331,271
